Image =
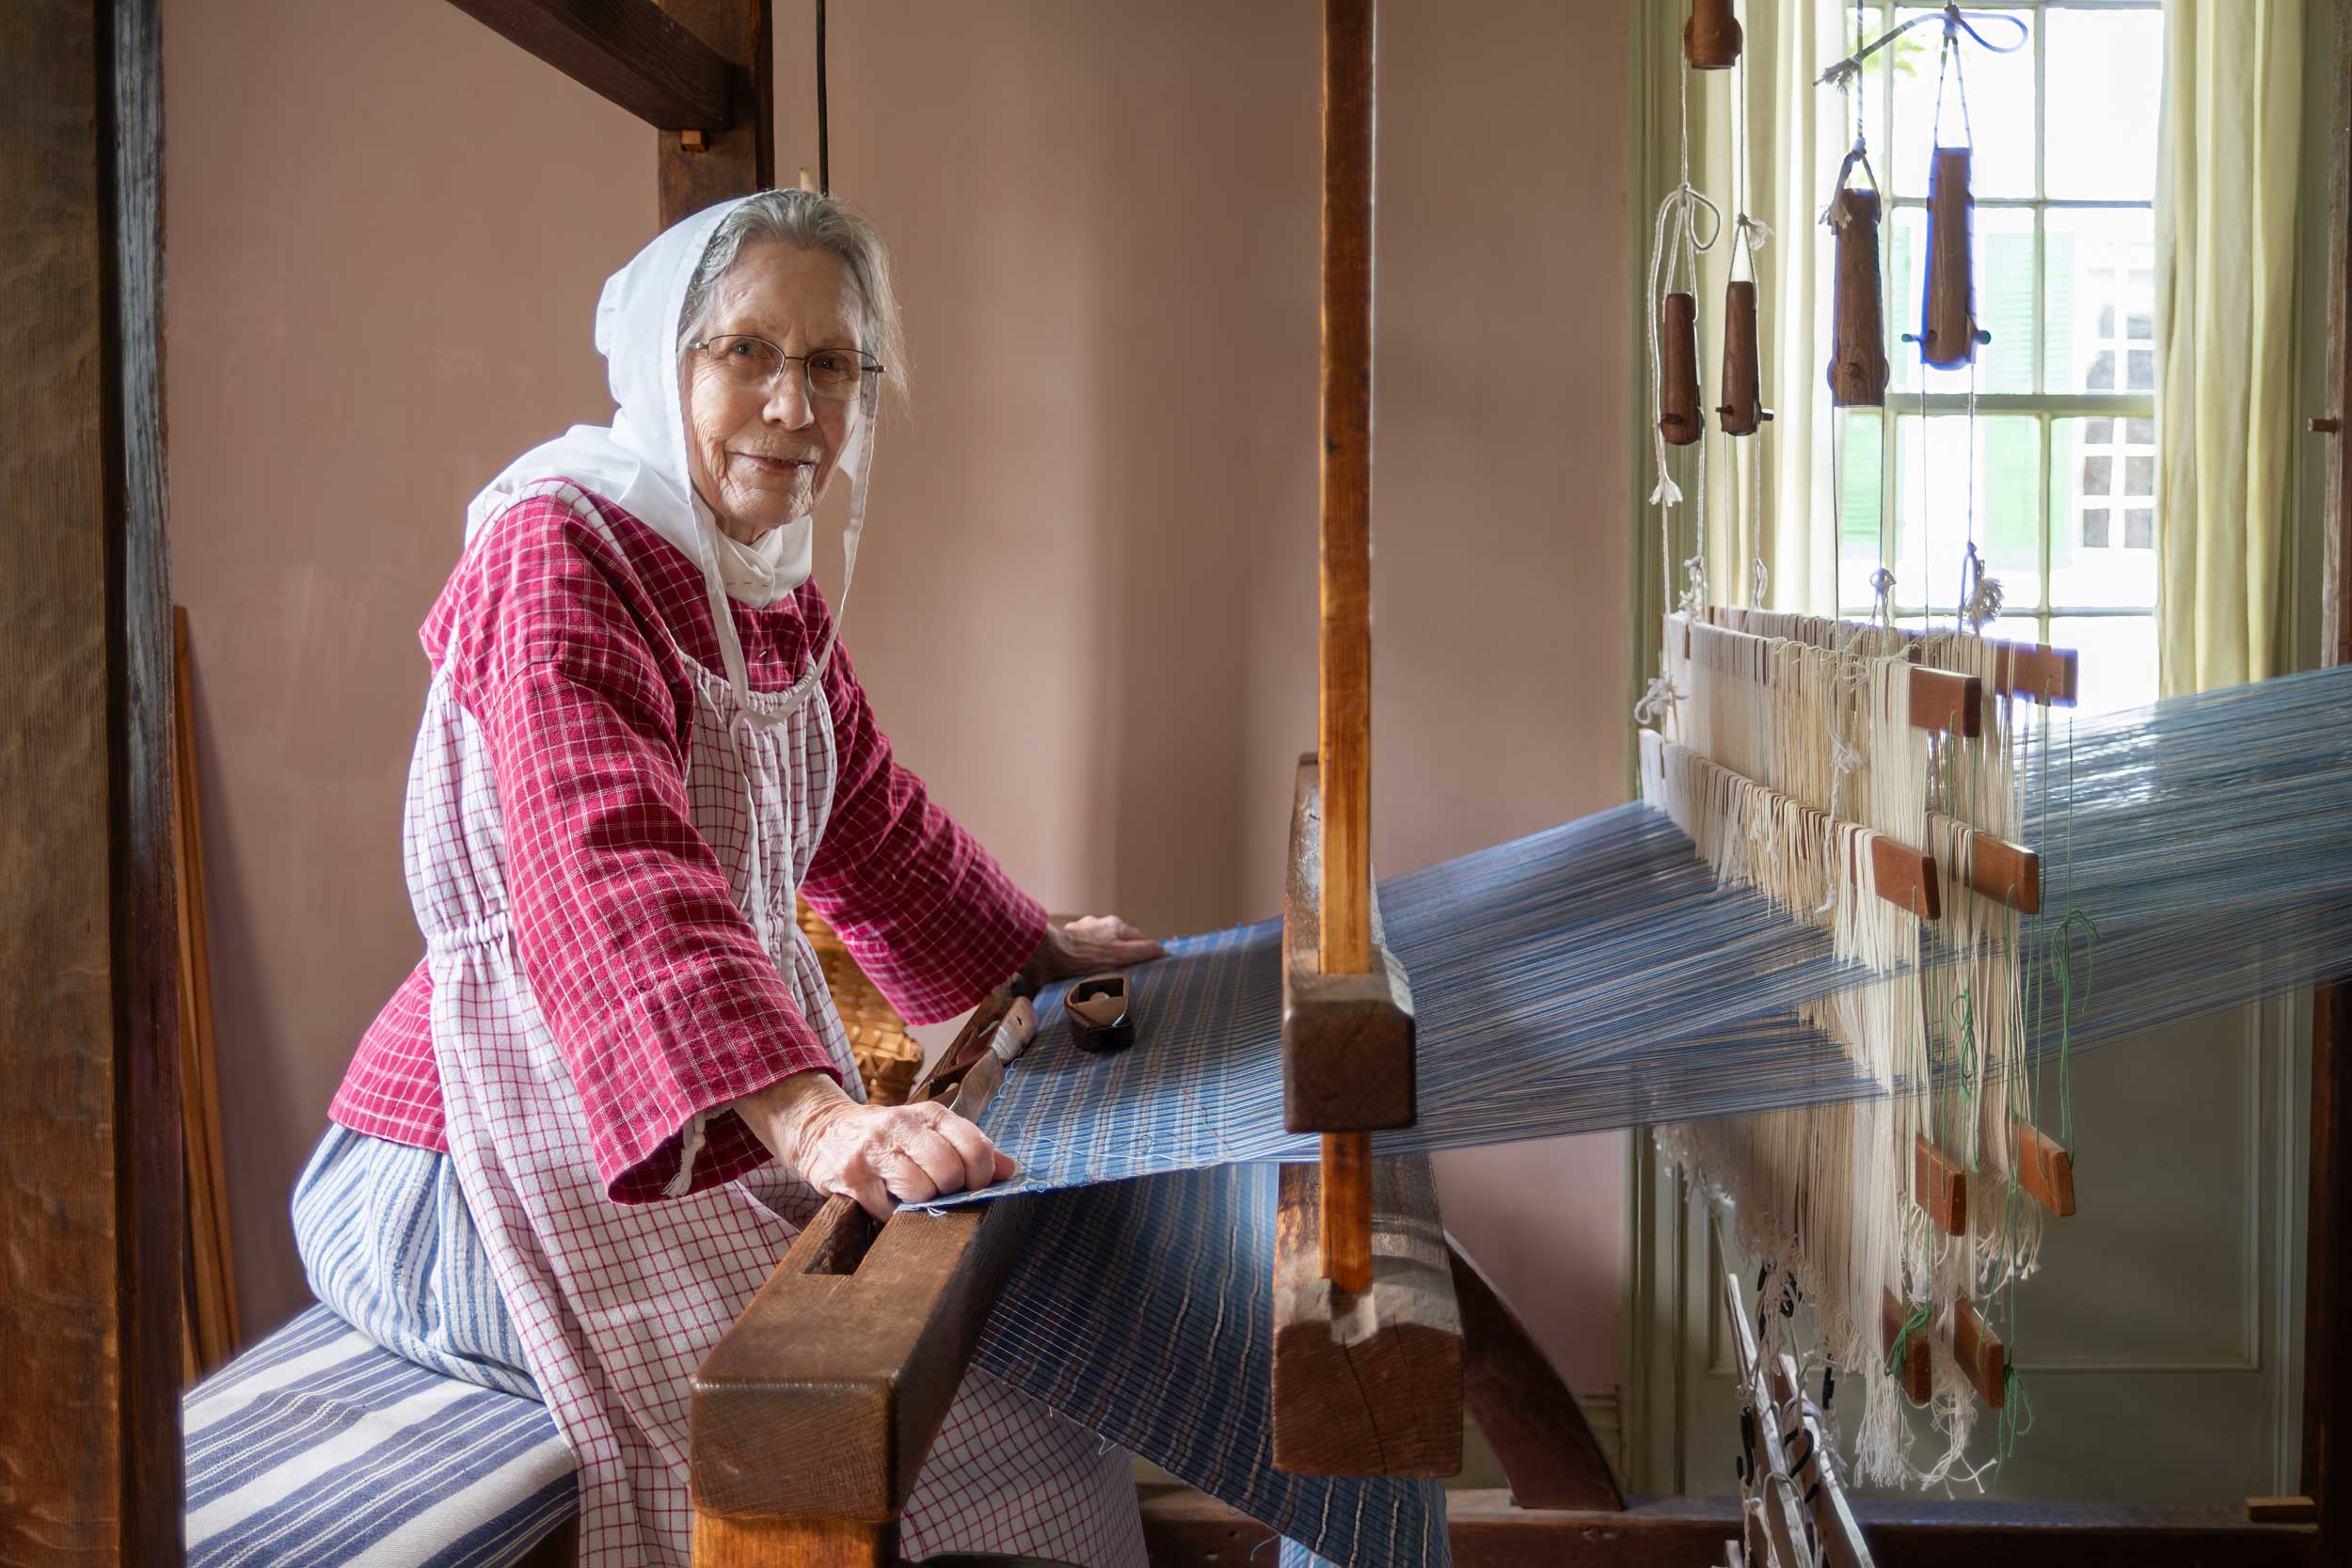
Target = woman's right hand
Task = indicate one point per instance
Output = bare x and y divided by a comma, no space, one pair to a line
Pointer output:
873,1153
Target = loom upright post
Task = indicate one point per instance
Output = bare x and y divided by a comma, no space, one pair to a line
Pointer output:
2326,1459
1367,1355
1345,641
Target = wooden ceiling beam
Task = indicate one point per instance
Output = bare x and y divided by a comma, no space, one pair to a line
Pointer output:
630,51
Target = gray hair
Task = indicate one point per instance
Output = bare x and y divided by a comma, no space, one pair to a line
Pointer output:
813,222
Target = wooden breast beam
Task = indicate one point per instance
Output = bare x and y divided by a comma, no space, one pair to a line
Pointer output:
853,1350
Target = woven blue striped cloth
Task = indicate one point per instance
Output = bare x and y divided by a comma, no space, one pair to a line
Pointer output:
1144,1310
1532,1020
317,1447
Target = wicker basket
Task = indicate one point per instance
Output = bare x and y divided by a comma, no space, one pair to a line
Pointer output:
888,1057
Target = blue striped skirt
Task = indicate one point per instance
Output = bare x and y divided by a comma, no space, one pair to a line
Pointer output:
389,1244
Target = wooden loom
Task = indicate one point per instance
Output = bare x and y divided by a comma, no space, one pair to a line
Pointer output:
92,1329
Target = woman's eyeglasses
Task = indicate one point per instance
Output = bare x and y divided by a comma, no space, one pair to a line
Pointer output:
753,364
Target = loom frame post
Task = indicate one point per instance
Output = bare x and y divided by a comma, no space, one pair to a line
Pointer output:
92,1171
2327,1434
1343,636
1367,1352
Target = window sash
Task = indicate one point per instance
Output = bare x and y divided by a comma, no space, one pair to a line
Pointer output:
2041,404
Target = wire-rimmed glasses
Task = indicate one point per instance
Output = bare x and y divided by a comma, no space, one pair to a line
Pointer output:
753,364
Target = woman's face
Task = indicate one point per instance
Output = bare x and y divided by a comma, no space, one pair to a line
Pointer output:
761,456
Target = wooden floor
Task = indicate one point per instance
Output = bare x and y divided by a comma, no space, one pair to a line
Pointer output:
1183,1528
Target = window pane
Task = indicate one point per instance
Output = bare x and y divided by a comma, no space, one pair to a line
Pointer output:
2004,282
2102,484
1999,108
1860,499
2119,660
2102,121
2102,283
1943,484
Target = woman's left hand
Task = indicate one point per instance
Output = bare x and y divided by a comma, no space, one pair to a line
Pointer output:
1086,945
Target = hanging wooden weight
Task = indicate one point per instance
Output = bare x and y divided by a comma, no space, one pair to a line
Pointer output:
1857,350
1742,410
1678,417
1711,40
1947,319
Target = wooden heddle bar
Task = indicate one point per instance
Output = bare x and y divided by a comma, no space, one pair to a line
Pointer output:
1905,876
2030,672
2004,872
1941,700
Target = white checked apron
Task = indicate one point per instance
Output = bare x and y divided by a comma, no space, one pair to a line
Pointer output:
617,1304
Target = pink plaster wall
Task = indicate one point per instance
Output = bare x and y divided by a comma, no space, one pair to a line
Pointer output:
1086,604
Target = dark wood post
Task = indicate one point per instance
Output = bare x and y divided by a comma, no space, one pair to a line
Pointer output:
91,1204
2327,1291
1345,641
698,170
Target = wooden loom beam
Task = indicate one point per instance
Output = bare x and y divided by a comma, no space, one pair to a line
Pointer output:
1347,1036
738,156
1368,1383
630,52
1525,1409
853,1348
1185,1530
90,1174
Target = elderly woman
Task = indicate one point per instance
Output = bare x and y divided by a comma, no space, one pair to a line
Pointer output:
585,1130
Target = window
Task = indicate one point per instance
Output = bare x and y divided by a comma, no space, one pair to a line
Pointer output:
2052,466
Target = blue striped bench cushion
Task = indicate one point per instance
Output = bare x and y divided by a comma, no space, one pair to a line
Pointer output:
317,1447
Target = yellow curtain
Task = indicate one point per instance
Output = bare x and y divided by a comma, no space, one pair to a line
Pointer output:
2225,217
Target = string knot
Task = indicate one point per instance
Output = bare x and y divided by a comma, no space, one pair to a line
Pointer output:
1981,598
1883,594
1659,702
1695,589
1762,581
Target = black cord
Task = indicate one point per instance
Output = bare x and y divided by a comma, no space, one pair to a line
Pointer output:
824,130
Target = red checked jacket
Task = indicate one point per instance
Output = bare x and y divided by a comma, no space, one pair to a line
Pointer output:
566,651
